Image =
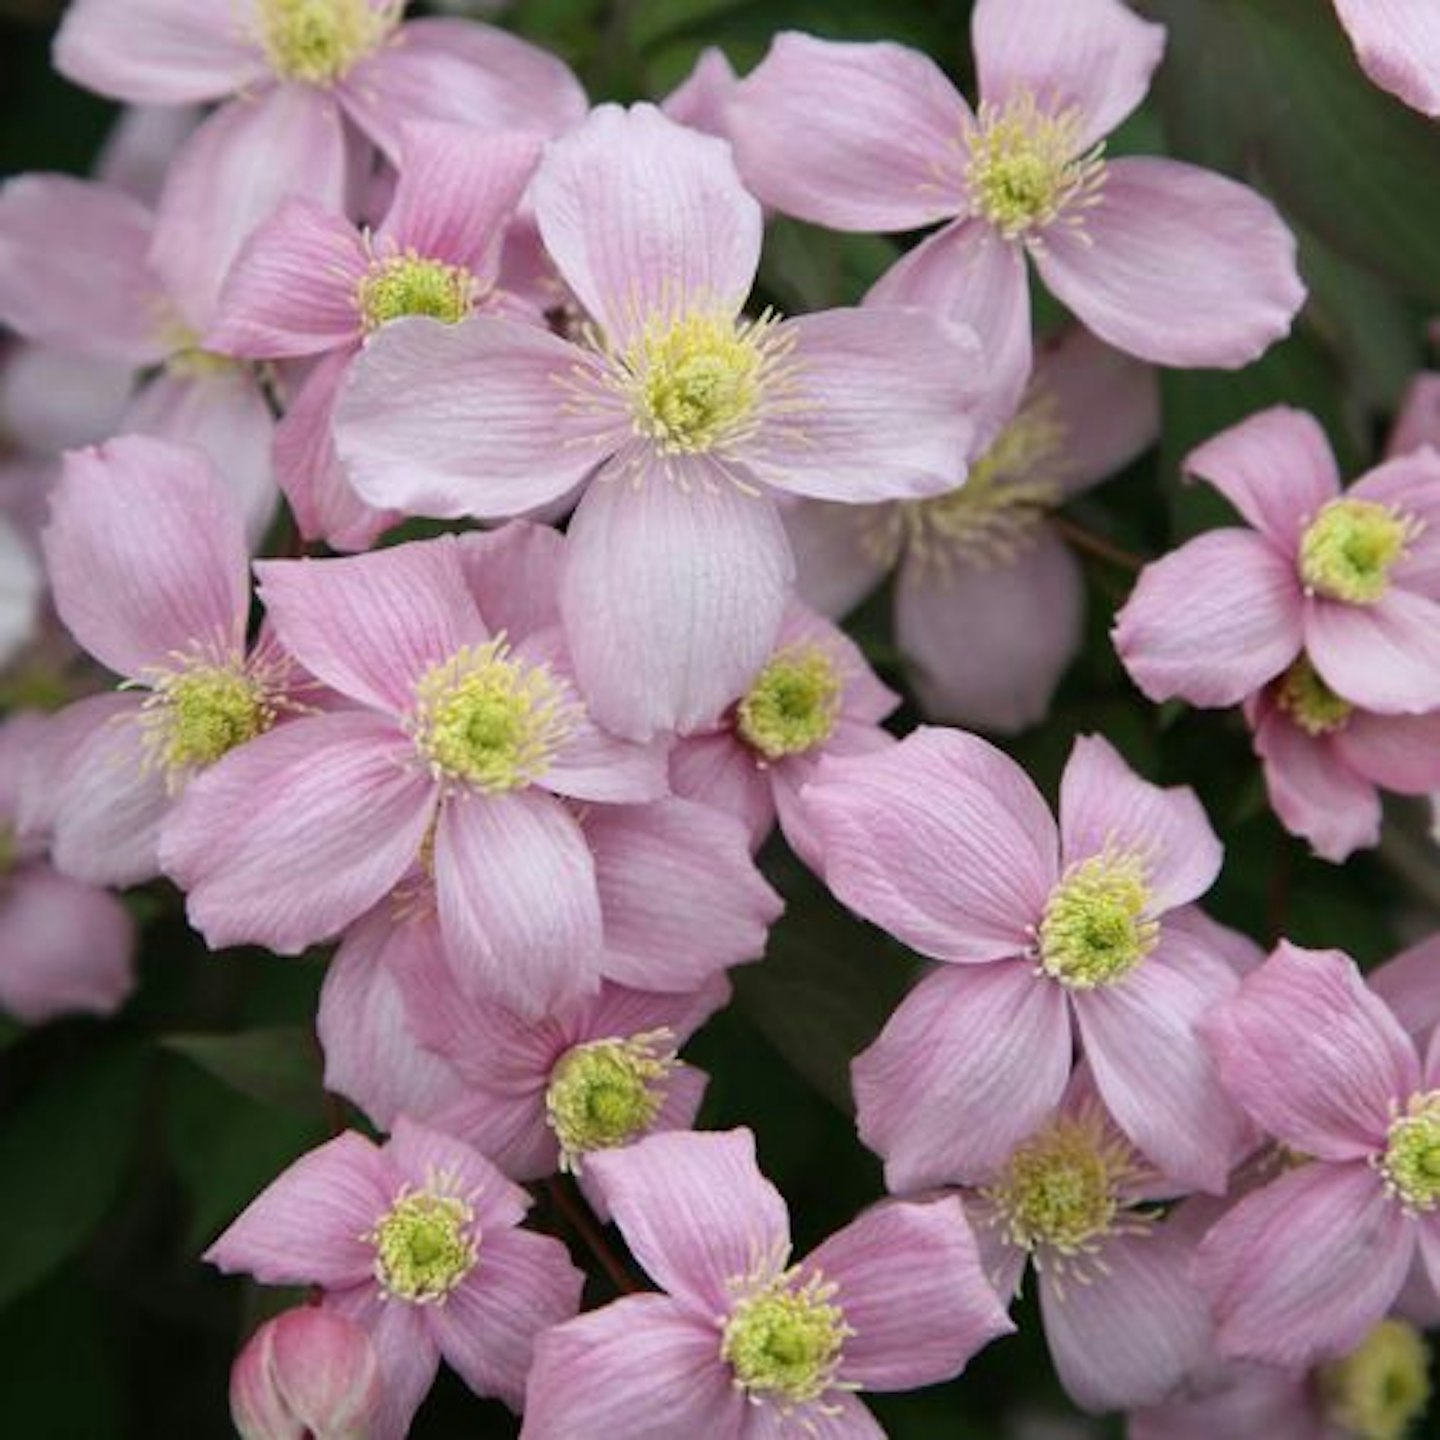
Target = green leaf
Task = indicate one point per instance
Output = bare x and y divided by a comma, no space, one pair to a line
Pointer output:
279,1065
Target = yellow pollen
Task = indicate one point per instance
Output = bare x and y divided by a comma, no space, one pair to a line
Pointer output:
186,359
784,1340
1024,170
1310,702
1349,549
607,1092
425,1245
412,285
1095,930
200,711
489,720
793,706
1411,1163
319,41
1378,1391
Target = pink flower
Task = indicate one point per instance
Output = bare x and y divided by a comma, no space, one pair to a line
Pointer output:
415,1241
1168,262
943,841
1305,1266
815,696
989,602
1351,580
1398,45
743,1345
463,740
684,412
701,98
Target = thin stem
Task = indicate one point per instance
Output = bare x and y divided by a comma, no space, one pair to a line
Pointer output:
575,1210
1097,545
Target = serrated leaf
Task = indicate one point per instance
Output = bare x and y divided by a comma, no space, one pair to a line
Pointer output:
278,1065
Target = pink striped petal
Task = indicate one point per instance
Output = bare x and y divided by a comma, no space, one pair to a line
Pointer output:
1246,1400
1399,752
1398,45
1410,985
720,772
416,1153
514,575
700,100
1411,483
1384,656
405,1348
840,552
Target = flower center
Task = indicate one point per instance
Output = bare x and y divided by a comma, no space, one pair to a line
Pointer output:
425,1245
1411,1163
320,40
1379,1390
784,1341
794,704
1095,929
605,1093
200,712
1310,702
1024,170
412,285
489,720
1349,549
9,848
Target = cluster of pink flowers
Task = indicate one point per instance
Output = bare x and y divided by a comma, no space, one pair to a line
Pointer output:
517,773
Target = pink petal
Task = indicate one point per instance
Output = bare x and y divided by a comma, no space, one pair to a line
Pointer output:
880,161
468,419
294,835
942,840
1384,656
1398,45
720,772
372,625
518,901
1248,1400
1213,621
882,406
416,1153
910,1285
1411,483
55,400
1096,56
405,1348
840,552
146,556
700,100
1276,468
790,777
672,595
1258,1266
1177,265
1400,752
1417,422
836,1416
696,1212
514,575
643,1367
971,1063
73,268
1410,985
681,898
1332,1096
140,145
998,668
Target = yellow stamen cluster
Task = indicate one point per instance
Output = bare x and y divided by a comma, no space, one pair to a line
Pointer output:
784,1340
1411,1163
1349,549
425,1245
410,284
187,360
1310,702
793,705
319,41
1096,928
490,721
1025,170
200,710
607,1092
1378,1391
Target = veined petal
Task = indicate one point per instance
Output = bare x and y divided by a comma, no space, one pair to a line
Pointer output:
514,575
1398,45
1399,752
1410,483
700,100
836,562
1384,657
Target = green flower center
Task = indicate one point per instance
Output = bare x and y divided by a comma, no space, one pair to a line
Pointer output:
1378,1391
318,41
425,1245
1349,549
605,1093
784,1341
412,285
793,706
1096,929
1411,1163
200,712
1310,702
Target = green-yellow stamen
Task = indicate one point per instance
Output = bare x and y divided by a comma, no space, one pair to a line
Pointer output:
1096,928
425,1245
318,41
1310,702
793,706
489,720
784,1340
1378,1391
1411,1163
9,848
412,285
200,711
607,1092
1349,549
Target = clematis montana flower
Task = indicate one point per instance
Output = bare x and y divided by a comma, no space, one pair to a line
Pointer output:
1174,264
417,1242
686,412
943,841
1398,45
744,1345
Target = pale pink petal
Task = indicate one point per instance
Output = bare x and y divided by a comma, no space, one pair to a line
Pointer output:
672,593
720,772
789,779
837,1415
942,840
643,1367
519,906
700,100
161,52
1410,483
514,575
886,159
294,835
1104,805
405,1348
1212,621
1258,1268
1096,56
510,1129
1399,752
1276,468
1410,985
696,1213
416,1153
53,400
987,644
1177,265
1398,45
1246,1400
842,552
73,268
469,419
1384,656
1418,421
140,145
910,1285
971,1063
21,591
681,898
1332,1096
